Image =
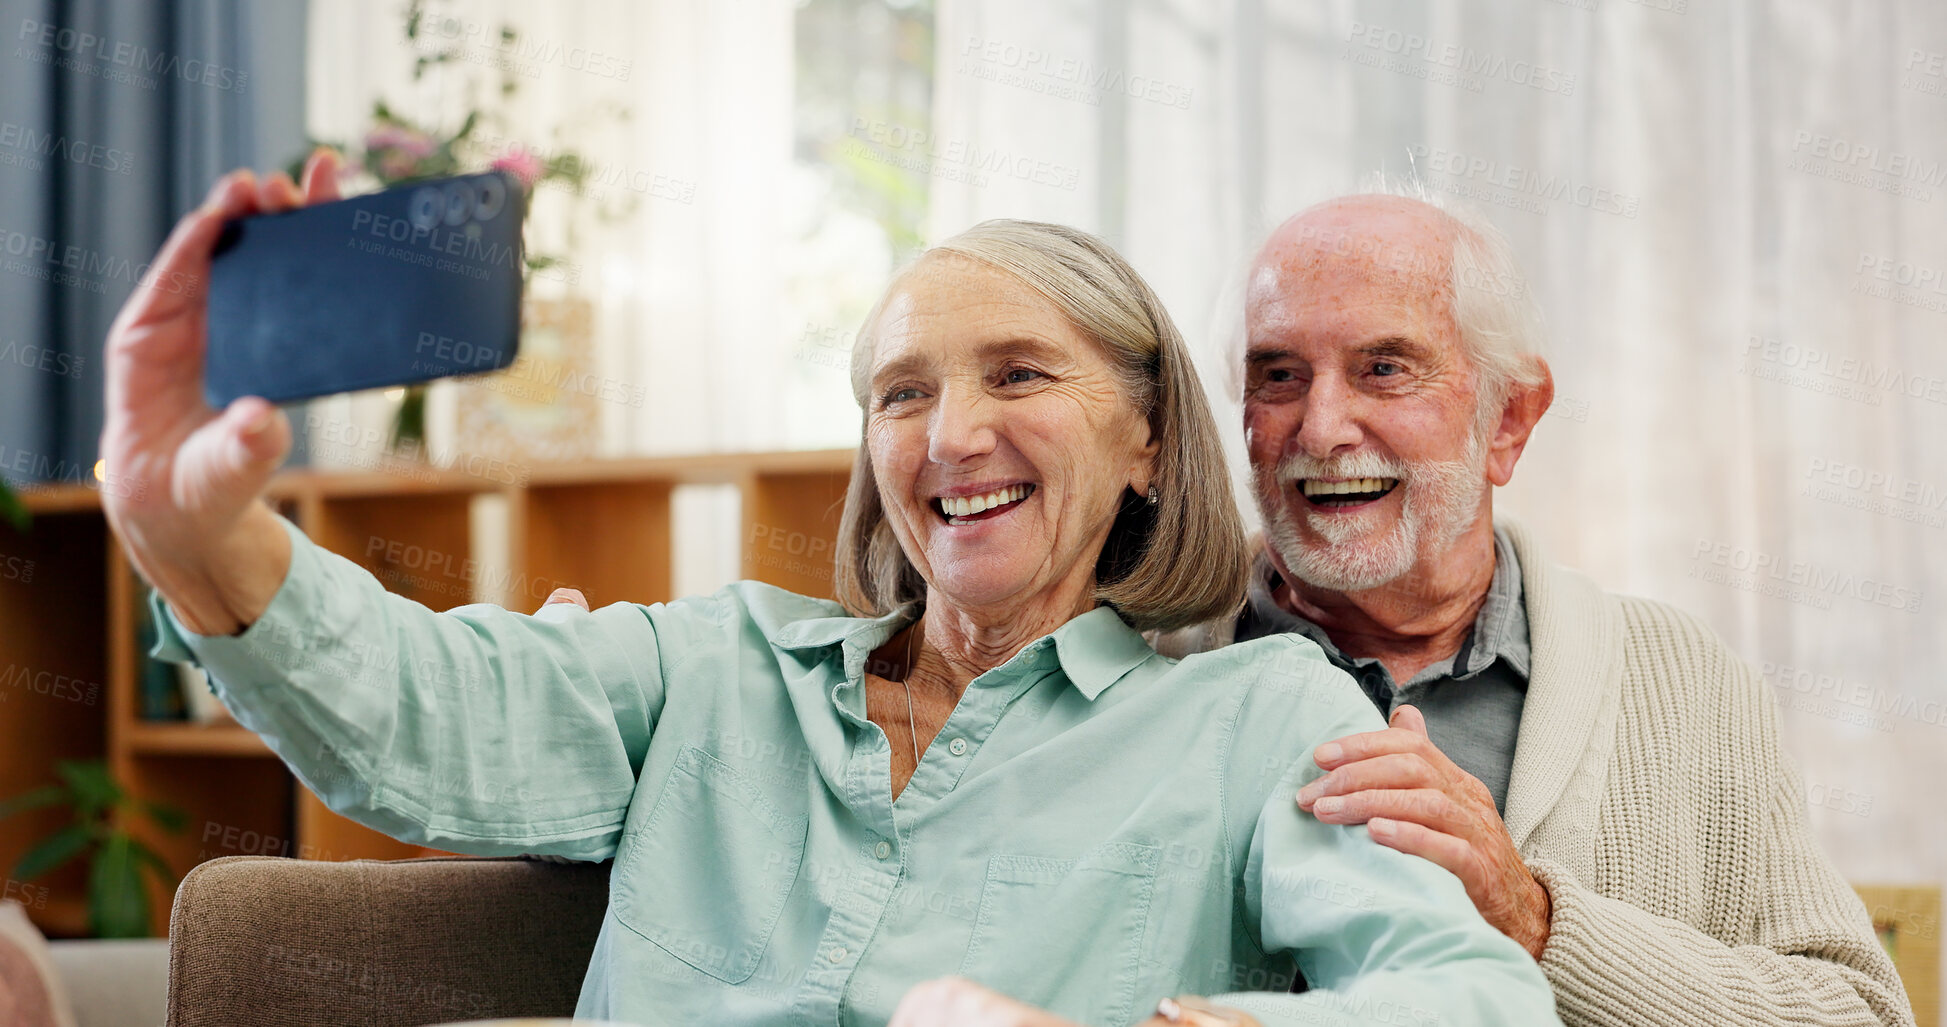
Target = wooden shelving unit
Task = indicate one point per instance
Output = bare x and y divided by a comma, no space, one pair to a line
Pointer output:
70,662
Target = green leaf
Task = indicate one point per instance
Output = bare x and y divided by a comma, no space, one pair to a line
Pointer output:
12,510
117,904
169,818
46,795
95,790
54,850
156,863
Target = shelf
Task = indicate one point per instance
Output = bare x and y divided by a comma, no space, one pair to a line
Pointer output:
61,917
54,673
43,499
790,535
194,740
557,525
71,664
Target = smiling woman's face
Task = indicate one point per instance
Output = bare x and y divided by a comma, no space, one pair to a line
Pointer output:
1000,439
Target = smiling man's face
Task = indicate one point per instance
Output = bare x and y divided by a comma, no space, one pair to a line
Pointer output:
1360,405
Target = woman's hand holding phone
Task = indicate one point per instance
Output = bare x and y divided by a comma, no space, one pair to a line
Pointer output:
187,503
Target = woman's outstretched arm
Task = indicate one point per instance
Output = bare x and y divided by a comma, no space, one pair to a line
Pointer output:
183,482
476,730
479,730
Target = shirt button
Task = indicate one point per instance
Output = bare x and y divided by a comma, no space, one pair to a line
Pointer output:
837,954
882,850
958,747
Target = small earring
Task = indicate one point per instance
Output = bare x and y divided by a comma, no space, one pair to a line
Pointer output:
1155,497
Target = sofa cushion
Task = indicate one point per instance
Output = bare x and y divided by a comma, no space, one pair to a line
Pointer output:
114,983
30,995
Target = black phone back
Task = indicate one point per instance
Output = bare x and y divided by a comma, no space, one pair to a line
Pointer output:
406,285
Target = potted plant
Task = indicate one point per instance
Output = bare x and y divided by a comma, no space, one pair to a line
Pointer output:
118,903
12,510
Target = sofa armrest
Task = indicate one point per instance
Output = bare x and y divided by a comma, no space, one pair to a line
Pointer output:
264,940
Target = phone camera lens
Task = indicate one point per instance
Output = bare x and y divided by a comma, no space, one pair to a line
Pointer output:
492,197
459,204
424,209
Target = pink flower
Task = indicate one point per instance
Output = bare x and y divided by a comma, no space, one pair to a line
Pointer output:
398,137
522,164
383,137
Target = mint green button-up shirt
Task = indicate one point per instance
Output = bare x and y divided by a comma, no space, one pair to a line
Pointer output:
1094,828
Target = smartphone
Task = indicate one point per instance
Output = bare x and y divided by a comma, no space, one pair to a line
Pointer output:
418,282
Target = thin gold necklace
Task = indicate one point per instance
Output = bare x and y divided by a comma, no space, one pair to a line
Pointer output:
907,683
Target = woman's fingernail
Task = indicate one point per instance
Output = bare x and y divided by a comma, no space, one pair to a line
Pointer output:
1330,752
1329,804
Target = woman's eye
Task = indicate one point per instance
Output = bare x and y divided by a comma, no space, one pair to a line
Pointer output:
900,395
1280,374
1019,375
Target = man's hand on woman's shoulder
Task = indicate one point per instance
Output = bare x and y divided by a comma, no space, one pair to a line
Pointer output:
1411,797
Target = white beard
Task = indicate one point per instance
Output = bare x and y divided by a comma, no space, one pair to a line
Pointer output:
1440,501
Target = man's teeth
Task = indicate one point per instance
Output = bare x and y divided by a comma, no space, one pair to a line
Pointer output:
1314,487
967,506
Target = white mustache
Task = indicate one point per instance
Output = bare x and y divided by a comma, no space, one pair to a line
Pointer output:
1299,466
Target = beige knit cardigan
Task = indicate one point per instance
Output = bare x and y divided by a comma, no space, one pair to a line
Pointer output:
1650,798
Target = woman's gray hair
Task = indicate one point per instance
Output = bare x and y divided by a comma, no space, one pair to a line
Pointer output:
1178,563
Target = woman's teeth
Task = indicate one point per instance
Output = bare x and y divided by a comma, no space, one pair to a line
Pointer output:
968,506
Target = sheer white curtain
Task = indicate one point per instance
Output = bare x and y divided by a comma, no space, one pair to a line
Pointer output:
1733,215
691,271
684,244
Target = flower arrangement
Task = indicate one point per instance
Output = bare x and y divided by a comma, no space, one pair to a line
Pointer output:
397,150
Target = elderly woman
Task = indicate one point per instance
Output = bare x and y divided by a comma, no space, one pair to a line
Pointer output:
971,794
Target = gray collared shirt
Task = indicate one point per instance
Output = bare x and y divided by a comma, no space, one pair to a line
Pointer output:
1472,702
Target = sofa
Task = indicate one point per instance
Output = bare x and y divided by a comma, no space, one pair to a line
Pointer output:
266,940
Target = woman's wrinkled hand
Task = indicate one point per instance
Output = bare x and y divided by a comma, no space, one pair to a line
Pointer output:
958,1002
182,480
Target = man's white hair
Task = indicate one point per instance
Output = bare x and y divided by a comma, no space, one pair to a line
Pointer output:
1494,307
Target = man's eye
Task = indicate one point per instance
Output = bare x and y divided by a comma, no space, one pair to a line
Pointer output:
1385,369
900,395
1279,374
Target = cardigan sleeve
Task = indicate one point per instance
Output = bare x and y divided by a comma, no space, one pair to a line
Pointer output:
1813,957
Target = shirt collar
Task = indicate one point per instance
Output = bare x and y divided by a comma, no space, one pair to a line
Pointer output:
1094,650
1098,649
1501,628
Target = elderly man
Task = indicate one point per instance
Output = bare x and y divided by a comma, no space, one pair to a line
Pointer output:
1601,772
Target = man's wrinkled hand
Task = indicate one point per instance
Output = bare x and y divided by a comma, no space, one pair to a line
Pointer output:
571,596
1412,798
958,1002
